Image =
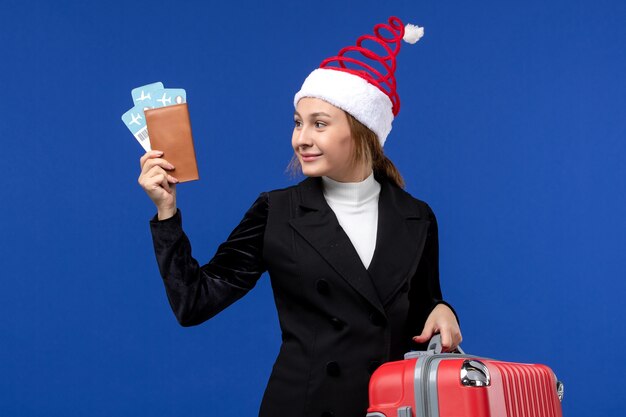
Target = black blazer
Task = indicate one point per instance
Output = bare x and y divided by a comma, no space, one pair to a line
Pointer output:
339,320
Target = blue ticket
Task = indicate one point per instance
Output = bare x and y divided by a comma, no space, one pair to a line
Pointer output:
143,93
135,121
166,97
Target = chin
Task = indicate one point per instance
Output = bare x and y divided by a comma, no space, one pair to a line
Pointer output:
313,171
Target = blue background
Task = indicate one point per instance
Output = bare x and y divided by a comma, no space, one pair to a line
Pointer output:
513,129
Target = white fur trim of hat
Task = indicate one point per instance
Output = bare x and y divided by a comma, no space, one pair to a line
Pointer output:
353,94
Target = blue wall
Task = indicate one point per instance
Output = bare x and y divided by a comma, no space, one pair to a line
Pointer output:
513,128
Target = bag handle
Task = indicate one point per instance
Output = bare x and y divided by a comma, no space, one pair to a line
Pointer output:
434,346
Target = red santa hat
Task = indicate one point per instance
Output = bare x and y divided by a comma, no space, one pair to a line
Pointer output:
365,85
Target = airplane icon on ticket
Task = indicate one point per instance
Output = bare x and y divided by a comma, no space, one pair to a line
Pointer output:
143,96
163,99
135,119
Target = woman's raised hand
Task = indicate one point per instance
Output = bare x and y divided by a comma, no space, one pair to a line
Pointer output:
442,320
158,183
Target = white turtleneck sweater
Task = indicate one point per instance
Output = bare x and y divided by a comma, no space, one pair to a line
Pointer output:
356,206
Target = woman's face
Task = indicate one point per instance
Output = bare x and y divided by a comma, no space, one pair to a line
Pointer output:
322,142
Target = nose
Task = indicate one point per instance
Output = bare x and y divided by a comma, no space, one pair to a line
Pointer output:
302,137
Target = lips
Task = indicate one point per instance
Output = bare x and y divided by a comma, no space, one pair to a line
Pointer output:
309,157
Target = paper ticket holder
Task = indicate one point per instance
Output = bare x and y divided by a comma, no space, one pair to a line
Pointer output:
169,129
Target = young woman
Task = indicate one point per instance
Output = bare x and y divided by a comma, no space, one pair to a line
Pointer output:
353,258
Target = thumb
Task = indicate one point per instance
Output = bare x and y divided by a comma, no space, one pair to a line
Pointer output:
426,335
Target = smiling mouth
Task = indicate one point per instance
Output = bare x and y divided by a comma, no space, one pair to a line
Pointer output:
309,158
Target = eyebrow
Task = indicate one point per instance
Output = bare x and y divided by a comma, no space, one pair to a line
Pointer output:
313,115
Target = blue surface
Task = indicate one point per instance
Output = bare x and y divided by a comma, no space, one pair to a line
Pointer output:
513,128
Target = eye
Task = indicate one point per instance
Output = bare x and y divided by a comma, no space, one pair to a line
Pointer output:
320,125
297,123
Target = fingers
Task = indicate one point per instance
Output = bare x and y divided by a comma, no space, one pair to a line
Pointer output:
156,176
450,339
164,183
149,154
152,165
458,338
149,164
158,169
151,159
426,335
442,320
446,341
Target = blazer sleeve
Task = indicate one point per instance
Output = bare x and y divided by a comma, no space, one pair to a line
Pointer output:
197,293
425,290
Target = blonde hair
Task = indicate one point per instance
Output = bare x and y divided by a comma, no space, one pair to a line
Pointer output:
367,148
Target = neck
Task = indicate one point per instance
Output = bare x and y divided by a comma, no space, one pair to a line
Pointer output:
351,192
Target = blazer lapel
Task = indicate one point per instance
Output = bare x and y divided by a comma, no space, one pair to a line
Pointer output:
400,240
318,225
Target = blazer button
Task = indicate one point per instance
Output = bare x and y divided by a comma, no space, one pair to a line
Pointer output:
373,366
328,414
337,324
377,319
332,368
322,286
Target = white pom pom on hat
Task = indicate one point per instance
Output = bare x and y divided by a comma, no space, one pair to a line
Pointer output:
412,33
359,88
